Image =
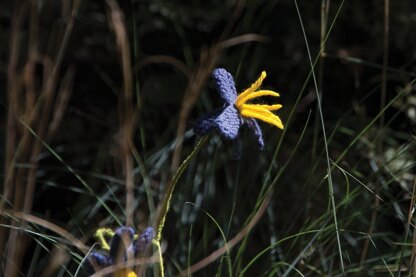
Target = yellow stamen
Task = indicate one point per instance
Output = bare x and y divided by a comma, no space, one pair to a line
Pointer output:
131,274
259,81
100,234
267,107
125,273
255,94
274,120
253,87
258,111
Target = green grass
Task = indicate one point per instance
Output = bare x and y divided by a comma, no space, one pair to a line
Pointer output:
98,98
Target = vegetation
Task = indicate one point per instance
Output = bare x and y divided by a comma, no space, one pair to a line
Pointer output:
99,102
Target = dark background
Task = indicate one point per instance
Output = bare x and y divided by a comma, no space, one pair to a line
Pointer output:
350,79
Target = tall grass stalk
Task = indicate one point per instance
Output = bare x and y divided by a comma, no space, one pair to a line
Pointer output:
167,198
43,114
381,123
329,171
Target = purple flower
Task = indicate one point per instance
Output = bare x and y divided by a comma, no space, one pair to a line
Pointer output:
123,244
142,242
236,110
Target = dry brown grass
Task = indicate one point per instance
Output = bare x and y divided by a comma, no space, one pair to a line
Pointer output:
36,105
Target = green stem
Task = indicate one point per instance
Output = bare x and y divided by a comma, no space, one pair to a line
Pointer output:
167,197
159,251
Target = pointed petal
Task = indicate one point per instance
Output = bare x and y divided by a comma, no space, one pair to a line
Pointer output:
228,123
143,242
95,261
225,85
119,243
258,134
100,259
205,124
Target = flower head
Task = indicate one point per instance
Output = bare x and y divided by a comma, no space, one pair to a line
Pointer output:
238,110
124,244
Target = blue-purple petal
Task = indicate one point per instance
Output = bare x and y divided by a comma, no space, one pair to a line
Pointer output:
206,124
100,259
96,260
225,85
227,122
118,247
143,241
252,123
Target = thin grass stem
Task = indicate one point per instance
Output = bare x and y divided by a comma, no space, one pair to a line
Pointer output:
330,184
168,193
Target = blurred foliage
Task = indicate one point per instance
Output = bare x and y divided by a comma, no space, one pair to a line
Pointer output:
226,189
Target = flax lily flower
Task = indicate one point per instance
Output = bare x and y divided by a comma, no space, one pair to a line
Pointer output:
238,109
124,243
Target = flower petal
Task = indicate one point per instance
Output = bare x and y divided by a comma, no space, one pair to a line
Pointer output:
205,124
143,242
225,85
227,122
96,261
119,243
252,123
